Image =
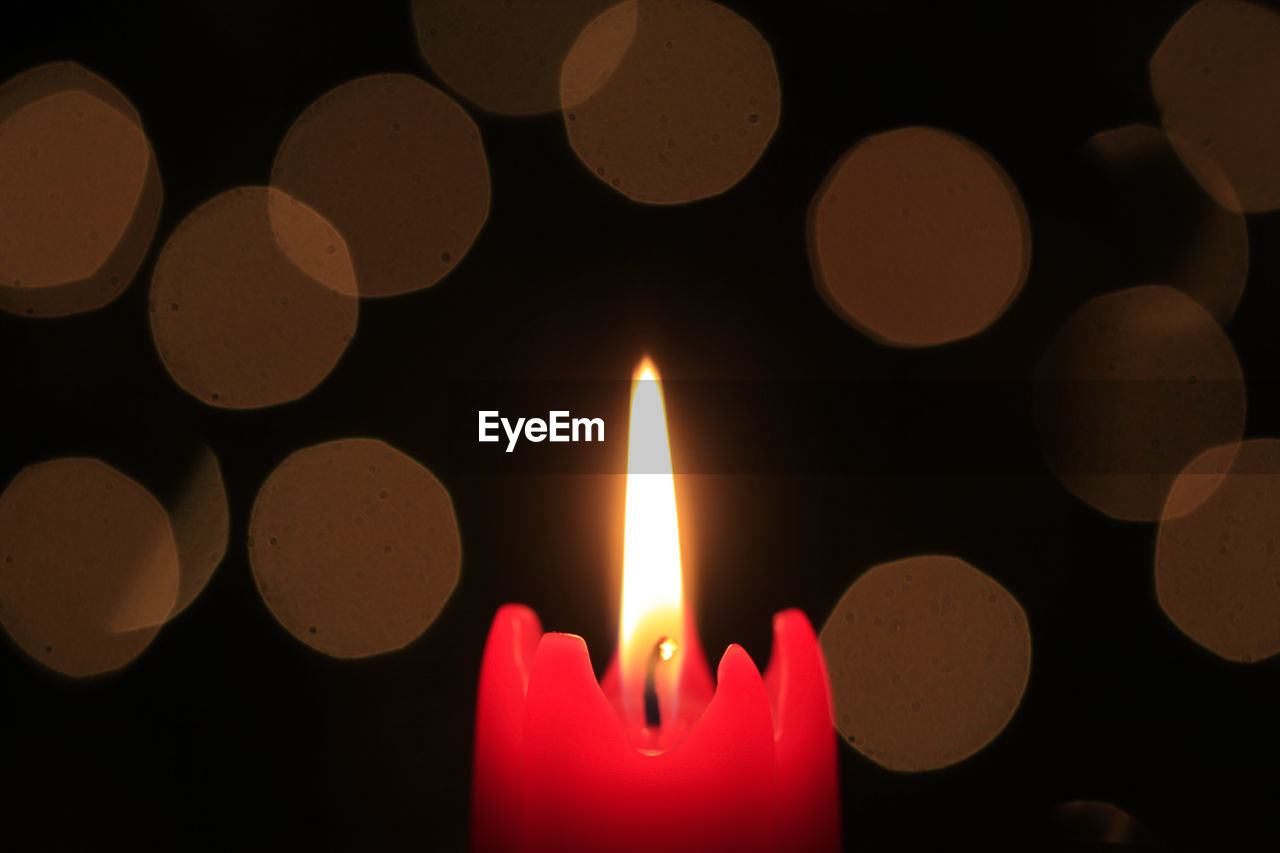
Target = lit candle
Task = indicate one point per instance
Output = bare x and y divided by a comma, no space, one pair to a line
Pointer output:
652,757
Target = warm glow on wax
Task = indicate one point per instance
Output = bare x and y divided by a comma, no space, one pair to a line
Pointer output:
652,609
654,755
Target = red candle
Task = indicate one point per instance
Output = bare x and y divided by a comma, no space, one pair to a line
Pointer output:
653,757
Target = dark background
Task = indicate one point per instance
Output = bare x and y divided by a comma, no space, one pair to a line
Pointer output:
228,733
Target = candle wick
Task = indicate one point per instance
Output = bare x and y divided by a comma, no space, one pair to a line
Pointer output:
662,650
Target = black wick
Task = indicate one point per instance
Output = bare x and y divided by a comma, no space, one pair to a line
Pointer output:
652,714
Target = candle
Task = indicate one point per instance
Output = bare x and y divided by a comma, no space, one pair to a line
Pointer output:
653,757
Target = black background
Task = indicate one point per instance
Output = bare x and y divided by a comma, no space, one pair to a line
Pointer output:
229,733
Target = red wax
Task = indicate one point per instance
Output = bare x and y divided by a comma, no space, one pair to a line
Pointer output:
747,766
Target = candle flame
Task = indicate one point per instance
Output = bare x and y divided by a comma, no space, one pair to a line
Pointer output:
652,593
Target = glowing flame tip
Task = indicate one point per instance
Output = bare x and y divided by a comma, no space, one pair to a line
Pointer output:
652,605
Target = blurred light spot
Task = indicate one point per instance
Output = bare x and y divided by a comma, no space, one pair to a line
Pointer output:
1217,570
354,547
669,101
1129,390
918,237
504,55
928,660
201,521
90,567
398,167
596,53
310,243
79,192
1215,78
1178,235
236,313
1093,822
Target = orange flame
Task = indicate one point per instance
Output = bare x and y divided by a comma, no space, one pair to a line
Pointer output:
652,617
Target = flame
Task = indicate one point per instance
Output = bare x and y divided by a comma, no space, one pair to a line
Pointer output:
652,617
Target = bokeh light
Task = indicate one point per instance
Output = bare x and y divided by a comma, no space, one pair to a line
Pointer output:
1132,387
1217,569
239,322
1094,822
399,169
502,55
1215,78
90,565
669,102
928,659
596,53
1177,233
354,547
201,521
79,192
918,237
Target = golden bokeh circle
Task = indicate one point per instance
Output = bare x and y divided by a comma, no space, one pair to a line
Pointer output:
80,192
504,56
399,169
928,659
1218,555
668,101
201,522
1132,387
1215,78
90,568
354,547
240,320
917,237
